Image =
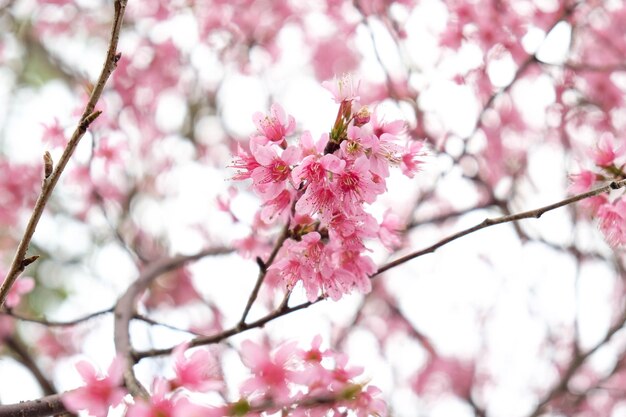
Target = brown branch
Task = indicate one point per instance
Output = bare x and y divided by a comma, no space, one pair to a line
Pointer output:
263,265
239,328
89,115
125,310
24,357
153,322
41,407
52,323
536,213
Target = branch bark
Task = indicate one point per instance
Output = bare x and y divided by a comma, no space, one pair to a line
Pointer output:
20,261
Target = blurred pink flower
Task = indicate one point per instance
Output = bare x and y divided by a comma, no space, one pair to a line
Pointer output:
99,392
198,371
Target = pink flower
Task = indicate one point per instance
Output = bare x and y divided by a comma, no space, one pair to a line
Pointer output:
410,164
198,371
22,286
271,371
607,151
54,134
613,221
276,126
278,207
355,185
343,89
582,182
331,57
100,391
270,177
442,374
367,403
245,163
310,147
389,231
158,406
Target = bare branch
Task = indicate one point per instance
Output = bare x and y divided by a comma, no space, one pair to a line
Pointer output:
125,310
536,213
89,115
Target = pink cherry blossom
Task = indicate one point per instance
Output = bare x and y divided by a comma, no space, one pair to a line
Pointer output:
22,286
244,163
158,405
273,172
198,371
410,162
271,371
276,126
343,89
54,134
99,392
607,151
356,184
390,231
613,221
582,181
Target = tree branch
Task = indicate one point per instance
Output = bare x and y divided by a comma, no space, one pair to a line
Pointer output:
536,213
89,115
125,310
263,272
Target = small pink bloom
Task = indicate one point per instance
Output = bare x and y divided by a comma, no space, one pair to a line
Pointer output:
279,207
54,134
607,151
100,391
368,403
20,287
244,163
613,221
271,370
110,152
582,182
343,89
198,371
410,164
356,185
158,405
270,177
389,231
310,147
276,126
442,374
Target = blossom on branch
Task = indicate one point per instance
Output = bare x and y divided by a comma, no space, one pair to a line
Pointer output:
100,390
326,185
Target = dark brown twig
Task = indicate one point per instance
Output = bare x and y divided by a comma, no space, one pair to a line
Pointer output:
536,213
20,261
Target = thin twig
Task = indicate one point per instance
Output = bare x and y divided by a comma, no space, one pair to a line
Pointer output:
89,115
263,265
216,338
536,213
153,322
52,323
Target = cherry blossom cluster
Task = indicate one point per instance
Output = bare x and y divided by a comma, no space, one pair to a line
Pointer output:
609,157
321,188
295,381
